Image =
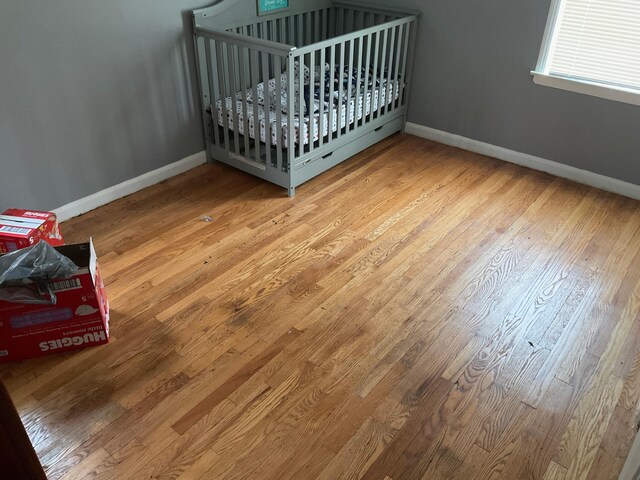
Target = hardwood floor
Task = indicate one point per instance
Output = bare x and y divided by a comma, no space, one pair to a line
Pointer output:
419,312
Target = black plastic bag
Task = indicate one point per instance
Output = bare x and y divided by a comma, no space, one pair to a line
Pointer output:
22,270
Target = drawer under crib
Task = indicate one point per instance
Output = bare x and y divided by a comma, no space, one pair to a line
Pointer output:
308,168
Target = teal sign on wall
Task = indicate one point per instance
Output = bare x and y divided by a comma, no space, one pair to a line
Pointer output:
269,6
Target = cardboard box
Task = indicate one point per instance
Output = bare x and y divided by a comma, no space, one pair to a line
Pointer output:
23,228
79,318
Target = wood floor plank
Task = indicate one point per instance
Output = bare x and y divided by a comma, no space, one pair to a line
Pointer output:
418,312
555,472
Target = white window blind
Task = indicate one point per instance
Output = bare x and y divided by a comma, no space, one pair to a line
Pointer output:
593,41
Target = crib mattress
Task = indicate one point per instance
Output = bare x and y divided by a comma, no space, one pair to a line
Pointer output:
375,96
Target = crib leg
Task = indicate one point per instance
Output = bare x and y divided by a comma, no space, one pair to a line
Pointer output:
292,192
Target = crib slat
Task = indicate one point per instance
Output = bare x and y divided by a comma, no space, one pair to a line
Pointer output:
350,65
245,110
349,21
223,91
356,107
282,30
255,78
233,88
331,26
289,30
267,107
263,30
341,99
408,27
300,30
398,57
374,87
323,86
383,63
325,23
359,23
332,79
309,29
272,30
391,89
295,30
316,26
303,30
367,73
212,90
300,109
278,107
291,106
345,21
311,106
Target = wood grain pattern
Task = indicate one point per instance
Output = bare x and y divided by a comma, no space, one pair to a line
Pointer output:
419,312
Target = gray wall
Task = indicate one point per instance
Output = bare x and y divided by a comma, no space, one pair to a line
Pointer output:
92,93
472,79
95,92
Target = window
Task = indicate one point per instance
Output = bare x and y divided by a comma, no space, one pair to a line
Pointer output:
592,47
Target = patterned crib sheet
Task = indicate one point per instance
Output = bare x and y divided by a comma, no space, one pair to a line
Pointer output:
382,92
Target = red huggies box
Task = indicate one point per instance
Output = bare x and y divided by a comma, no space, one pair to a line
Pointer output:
23,228
78,319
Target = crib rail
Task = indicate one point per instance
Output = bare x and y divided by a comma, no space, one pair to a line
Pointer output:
235,64
264,45
375,61
296,29
305,28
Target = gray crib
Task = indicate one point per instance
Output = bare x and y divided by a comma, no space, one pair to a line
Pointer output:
291,88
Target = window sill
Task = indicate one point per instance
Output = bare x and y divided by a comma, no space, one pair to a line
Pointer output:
588,88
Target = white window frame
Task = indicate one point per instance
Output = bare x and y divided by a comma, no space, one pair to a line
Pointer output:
541,74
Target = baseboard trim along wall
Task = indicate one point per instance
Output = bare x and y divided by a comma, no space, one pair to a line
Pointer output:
536,163
128,187
148,179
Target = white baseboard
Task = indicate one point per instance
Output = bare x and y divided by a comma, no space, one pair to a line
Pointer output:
128,187
536,163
